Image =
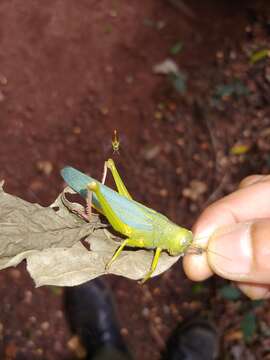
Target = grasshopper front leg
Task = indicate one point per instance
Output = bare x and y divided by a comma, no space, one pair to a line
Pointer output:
153,266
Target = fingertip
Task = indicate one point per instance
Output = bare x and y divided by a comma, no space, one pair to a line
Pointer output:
254,291
196,267
251,180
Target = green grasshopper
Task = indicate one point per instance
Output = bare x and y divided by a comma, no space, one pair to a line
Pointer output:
143,227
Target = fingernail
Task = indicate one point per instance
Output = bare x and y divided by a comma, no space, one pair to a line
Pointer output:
230,251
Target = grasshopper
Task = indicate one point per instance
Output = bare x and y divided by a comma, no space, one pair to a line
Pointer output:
143,227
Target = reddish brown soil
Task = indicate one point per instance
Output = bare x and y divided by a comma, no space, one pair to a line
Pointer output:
71,73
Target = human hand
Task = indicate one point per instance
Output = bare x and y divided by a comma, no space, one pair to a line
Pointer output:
235,231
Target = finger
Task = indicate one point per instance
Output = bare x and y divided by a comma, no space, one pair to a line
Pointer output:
254,291
244,204
253,179
245,249
196,267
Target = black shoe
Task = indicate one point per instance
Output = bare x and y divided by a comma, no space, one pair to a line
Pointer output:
193,341
91,314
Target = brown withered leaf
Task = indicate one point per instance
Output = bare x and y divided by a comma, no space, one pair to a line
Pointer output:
49,238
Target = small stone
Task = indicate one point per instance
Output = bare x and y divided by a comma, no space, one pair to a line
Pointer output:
124,331
77,130
58,347
220,55
179,170
193,208
104,110
1,329
163,193
32,319
45,166
145,312
69,102
166,309
30,344
113,13
156,291
152,152
109,69
74,344
59,314
2,96
3,80
233,55
11,350
267,73
39,352
28,295
180,142
172,106
45,325
158,115
158,320
129,79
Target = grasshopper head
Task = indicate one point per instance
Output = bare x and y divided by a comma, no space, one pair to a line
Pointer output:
180,242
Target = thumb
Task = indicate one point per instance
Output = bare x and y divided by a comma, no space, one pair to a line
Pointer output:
241,252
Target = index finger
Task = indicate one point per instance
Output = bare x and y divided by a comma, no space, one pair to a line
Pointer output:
247,203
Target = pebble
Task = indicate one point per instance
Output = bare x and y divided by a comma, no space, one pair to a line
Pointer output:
75,345
158,320
32,319
163,193
2,96
124,331
158,115
113,13
151,153
145,312
59,314
104,110
30,343
45,166
196,189
267,73
28,295
166,309
77,130
156,291
129,79
180,142
3,80
39,352
45,325
58,347
220,55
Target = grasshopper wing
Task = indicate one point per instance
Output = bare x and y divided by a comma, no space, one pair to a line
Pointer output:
130,212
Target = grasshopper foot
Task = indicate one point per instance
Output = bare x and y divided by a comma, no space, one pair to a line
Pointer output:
146,277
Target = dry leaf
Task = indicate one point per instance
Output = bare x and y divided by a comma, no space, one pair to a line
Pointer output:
49,238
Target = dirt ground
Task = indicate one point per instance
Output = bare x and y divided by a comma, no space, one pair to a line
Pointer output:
72,72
